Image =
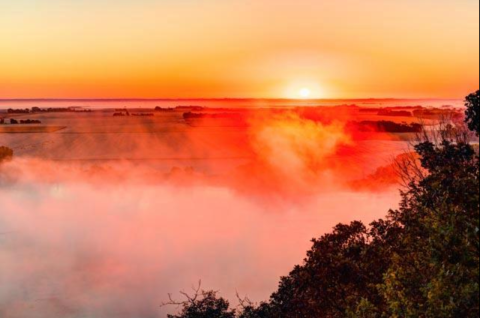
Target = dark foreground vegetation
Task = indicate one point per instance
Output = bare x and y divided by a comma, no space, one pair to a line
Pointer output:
422,260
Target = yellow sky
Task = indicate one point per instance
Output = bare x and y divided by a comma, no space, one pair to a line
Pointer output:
238,48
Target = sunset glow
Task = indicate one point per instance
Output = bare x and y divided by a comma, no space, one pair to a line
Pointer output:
247,48
239,158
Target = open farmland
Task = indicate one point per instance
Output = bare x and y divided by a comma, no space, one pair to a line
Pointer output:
167,140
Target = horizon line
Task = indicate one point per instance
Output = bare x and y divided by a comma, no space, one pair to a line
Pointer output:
226,99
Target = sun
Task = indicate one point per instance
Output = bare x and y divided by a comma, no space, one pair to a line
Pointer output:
305,92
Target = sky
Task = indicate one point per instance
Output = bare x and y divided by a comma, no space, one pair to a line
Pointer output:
238,48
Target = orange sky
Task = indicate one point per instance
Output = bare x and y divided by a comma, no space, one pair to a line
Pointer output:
238,48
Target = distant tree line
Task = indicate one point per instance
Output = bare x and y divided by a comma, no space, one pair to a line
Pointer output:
180,108
46,110
394,113
328,115
422,260
18,111
14,121
386,126
127,114
227,115
162,109
363,126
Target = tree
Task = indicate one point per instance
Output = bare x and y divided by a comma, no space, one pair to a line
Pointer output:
472,102
341,269
203,304
264,310
435,269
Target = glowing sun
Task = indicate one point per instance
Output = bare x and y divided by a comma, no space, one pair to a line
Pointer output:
305,92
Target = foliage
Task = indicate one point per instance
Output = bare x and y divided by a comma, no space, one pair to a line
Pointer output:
204,304
472,102
341,268
436,267
434,270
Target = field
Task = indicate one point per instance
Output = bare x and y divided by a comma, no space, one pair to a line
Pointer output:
167,140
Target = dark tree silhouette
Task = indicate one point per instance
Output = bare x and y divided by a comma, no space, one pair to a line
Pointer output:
472,103
340,269
434,270
203,304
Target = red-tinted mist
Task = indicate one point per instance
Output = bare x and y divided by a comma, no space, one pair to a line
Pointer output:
111,238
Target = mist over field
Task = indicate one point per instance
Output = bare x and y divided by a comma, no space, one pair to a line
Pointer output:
80,248
112,237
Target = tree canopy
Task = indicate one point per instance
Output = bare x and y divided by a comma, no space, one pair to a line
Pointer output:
472,102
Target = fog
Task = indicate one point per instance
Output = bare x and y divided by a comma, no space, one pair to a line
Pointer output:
112,239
